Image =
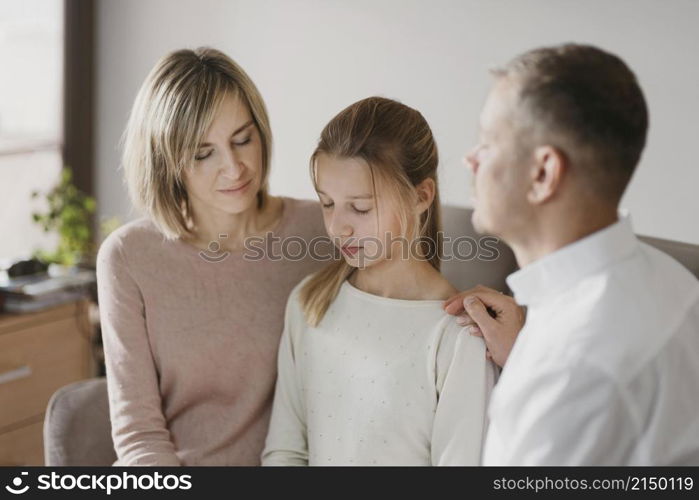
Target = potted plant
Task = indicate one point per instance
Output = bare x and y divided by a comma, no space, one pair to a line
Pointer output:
69,214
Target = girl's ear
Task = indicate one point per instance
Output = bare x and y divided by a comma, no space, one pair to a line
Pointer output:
425,194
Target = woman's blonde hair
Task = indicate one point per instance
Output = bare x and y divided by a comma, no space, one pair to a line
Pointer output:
173,111
397,144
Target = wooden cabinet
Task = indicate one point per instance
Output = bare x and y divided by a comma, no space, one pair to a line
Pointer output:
39,353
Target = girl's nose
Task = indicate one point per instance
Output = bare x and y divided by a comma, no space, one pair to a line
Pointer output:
339,228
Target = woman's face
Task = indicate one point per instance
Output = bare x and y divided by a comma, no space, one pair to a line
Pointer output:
226,172
360,223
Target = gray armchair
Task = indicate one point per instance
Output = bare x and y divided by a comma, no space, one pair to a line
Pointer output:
77,427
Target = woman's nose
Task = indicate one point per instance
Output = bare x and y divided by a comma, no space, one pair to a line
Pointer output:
232,166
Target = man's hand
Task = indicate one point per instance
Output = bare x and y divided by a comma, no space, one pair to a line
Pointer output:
489,314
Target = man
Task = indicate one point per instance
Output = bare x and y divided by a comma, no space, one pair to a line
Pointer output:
605,370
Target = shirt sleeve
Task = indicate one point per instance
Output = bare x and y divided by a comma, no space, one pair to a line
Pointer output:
287,437
139,428
569,414
464,380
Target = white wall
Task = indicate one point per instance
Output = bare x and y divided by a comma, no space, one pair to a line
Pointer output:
311,58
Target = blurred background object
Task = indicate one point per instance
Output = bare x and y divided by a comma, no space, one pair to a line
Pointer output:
49,332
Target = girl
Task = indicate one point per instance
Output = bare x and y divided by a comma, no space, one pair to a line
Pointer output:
371,370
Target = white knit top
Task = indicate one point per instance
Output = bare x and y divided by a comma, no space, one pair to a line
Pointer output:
380,381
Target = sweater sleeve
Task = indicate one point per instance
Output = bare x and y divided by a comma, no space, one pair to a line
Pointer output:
287,438
464,380
139,428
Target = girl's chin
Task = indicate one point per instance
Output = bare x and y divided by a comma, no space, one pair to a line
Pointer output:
360,262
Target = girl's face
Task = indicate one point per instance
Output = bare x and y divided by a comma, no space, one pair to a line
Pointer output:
360,222
226,172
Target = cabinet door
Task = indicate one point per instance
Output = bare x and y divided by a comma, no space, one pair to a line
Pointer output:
35,361
23,446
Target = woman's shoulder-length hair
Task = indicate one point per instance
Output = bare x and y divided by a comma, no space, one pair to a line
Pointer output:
172,112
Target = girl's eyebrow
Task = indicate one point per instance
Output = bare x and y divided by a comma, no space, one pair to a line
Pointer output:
237,131
357,197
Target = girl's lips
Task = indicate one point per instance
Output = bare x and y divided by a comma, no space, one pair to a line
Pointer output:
236,190
351,250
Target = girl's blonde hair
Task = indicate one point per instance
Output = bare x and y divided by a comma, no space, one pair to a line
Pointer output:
173,111
397,144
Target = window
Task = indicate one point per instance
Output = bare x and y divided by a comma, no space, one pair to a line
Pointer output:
31,117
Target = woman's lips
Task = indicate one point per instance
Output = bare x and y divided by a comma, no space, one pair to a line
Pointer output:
235,190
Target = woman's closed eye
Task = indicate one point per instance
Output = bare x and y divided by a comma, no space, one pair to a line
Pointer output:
203,155
242,142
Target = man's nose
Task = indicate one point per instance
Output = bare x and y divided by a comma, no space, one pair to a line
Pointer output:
471,161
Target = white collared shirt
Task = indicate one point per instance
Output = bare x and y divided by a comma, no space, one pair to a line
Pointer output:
606,369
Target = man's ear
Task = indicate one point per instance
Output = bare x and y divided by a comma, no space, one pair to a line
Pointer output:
426,191
550,165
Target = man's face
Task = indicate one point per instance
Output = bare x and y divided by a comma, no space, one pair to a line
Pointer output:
499,166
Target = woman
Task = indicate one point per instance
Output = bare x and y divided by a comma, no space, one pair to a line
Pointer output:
190,323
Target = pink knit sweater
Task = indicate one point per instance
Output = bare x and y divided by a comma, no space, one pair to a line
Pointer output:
191,344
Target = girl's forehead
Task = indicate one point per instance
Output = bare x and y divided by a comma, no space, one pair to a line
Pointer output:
337,176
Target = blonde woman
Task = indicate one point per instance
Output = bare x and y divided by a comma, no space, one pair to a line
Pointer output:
190,324
372,371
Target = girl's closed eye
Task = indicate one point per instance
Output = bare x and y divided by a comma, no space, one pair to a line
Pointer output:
361,211
355,209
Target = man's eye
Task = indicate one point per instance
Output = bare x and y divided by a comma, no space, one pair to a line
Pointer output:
202,156
482,149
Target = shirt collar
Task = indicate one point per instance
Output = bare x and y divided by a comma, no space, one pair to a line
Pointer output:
560,270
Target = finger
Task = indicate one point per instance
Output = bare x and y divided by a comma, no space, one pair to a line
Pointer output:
494,298
454,305
475,331
464,320
485,289
477,311
490,297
